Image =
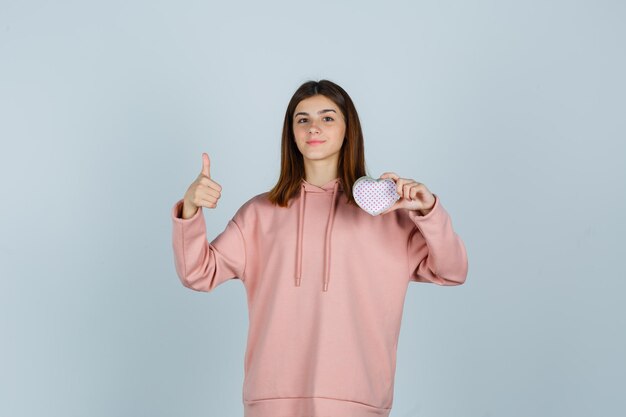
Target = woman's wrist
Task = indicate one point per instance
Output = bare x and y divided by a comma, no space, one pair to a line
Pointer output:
188,210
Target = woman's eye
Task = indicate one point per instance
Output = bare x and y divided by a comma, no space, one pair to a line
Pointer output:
301,120
328,117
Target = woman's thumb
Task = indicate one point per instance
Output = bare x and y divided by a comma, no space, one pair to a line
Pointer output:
206,164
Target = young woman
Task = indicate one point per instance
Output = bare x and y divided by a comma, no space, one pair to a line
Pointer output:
325,280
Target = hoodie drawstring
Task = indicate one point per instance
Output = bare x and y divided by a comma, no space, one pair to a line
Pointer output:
299,242
329,228
328,233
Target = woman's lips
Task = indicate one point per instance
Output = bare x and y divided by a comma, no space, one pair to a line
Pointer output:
315,142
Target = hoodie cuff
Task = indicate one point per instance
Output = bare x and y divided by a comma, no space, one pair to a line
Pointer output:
177,213
434,212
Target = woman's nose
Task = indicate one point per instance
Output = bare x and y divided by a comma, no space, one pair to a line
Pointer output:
314,128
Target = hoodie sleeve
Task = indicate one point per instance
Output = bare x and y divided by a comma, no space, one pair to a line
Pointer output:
201,265
436,253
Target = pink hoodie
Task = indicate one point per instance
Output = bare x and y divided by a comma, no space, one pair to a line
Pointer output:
325,283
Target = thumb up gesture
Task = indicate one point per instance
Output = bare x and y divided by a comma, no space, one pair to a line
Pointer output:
203,192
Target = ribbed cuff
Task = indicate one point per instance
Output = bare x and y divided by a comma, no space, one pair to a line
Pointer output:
415,216
177,212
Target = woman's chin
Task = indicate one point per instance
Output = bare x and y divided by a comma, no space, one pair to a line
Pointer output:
315,156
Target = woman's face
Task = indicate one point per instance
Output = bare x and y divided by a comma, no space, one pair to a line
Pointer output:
319,128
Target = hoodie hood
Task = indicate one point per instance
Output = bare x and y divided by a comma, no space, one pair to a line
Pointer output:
335,188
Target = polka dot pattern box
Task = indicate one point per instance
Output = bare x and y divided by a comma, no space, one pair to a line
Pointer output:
375,195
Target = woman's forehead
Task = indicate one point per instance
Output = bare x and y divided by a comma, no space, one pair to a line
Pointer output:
315,104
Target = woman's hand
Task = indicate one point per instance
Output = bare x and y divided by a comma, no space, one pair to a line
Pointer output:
413,195
203,192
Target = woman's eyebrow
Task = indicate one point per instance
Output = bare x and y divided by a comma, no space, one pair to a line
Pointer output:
319,112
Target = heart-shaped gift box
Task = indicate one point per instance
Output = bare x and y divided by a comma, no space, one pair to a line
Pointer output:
375,195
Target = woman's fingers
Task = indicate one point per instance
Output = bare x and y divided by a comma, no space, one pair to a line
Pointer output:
413,195
208,192
206,165
395,178
204,191
411,188
413,192
205,200
391,175
211,189
209,183
212,203
403,186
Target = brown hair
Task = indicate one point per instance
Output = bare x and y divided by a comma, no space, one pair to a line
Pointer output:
351,164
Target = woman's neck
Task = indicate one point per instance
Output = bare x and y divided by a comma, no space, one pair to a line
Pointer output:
320,172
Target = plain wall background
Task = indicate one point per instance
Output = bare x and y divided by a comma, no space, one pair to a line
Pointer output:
512,112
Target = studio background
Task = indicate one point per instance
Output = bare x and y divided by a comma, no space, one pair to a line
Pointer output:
512,112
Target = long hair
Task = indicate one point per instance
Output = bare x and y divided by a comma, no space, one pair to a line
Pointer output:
351,163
